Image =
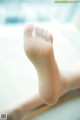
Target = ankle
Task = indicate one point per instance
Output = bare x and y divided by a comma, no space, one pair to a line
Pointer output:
49,91
50,98
64,85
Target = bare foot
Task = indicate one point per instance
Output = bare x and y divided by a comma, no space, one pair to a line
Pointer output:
39,49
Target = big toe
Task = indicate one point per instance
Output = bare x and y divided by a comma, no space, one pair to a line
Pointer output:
28,31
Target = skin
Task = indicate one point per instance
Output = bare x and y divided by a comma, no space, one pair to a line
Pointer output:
39,49
52,82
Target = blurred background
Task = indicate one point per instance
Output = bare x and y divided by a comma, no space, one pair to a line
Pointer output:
17,75
21,11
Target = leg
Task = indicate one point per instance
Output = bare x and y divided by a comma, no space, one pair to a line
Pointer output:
20,108
72,76
39,49
53,83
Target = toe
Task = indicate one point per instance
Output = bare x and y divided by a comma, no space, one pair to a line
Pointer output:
28,31
38,31
44,34
41,33
47,36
